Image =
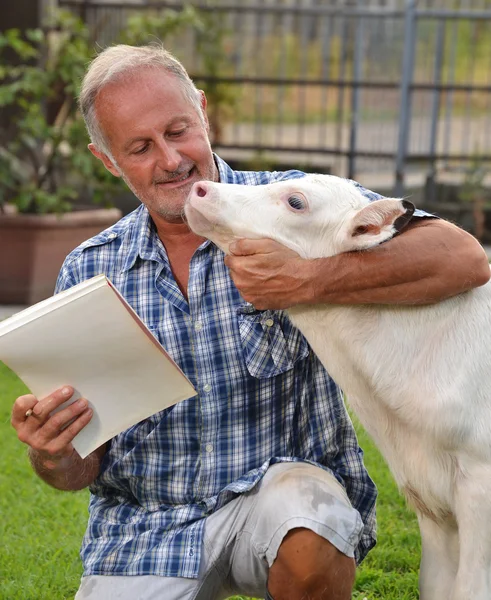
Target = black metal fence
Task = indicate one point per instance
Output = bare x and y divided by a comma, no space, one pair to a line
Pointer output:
396,89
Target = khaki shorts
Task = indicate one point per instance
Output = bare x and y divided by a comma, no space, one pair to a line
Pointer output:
241,539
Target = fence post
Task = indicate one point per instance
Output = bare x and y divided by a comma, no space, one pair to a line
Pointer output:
355,96
47,9
435,110
406,82
343,57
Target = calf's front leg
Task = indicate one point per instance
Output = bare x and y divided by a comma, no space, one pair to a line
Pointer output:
439,558
473,512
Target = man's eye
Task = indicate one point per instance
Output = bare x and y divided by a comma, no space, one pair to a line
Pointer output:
141,150
176,133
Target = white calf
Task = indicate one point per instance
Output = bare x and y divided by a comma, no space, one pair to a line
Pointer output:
418,377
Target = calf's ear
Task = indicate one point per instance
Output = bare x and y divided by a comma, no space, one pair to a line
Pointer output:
379,221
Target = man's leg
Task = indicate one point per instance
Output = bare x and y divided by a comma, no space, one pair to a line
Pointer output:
294,534
299,537
221,530
308,567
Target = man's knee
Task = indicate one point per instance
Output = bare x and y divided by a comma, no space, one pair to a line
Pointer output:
308,566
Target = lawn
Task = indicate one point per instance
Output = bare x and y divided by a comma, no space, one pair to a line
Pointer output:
41,528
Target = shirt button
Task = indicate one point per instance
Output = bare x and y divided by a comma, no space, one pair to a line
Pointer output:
209,447
207,387
198,326
269,322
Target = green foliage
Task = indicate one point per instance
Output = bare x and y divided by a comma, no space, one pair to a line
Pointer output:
143,27
44,161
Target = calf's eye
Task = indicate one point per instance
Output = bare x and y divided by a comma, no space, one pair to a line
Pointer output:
296,202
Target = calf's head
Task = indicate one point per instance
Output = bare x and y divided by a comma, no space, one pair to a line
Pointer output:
316,215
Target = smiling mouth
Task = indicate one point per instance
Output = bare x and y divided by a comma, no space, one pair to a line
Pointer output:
177,180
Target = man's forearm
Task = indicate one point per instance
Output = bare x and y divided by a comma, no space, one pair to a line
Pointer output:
70,473
427,263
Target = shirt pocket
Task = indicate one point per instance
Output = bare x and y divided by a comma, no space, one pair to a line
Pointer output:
271,345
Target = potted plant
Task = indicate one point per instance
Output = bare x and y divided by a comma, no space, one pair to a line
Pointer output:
53,193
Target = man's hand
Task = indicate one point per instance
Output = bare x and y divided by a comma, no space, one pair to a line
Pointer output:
49,438
48,433
269,275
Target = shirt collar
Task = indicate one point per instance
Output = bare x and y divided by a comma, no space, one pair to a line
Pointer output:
141,240
225,173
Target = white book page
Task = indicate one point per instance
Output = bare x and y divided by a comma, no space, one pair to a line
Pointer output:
45,306
100,347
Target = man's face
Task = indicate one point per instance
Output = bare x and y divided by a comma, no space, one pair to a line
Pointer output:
158,141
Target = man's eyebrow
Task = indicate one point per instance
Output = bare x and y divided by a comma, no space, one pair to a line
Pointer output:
183,120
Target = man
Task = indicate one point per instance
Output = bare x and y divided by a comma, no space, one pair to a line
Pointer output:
257,485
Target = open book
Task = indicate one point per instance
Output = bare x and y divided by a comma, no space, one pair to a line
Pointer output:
89,337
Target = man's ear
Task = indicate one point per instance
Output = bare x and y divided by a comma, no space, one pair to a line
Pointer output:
204,102
106,161
379,221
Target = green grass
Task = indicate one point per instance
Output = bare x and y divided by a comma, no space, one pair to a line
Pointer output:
41,528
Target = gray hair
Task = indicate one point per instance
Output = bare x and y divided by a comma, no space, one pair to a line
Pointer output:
118,62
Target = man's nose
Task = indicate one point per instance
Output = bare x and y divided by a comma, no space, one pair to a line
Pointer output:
169,158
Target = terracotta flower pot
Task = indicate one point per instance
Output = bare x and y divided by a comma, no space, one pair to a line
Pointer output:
33,248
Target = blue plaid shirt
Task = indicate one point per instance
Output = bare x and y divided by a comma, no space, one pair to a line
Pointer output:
263,397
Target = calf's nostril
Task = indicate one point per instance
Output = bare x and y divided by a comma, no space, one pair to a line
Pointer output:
200,190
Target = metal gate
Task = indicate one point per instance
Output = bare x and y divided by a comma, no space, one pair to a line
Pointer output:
383,88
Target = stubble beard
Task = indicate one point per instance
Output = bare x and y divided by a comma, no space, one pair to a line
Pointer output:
159,207
155,204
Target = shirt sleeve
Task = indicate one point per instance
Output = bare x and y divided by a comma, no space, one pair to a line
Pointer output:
67,277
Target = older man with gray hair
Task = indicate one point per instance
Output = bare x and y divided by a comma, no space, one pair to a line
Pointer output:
256,485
